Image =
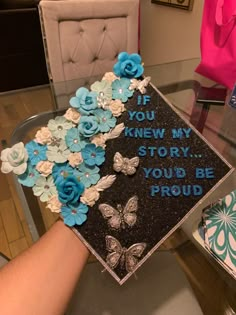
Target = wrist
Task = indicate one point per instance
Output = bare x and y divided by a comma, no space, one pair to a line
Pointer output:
73,240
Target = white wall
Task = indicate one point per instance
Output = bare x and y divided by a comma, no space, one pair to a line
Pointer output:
169,34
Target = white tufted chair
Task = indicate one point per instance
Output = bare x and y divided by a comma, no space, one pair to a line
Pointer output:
82,38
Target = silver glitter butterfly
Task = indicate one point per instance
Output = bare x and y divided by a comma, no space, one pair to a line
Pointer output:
55,142
139,85
126,257
119,217
125,165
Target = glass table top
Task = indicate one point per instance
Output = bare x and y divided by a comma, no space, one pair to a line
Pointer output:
181,86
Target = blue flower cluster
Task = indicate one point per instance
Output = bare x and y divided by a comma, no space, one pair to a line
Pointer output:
93,120
62,160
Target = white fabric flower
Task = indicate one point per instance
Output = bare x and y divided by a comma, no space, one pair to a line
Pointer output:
110,77
99,140
58,153
72,115
75,159
45,168
116,107
59,126
14,159
90,196
54,204
43,136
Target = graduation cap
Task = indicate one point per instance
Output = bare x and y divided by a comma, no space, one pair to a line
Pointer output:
164,169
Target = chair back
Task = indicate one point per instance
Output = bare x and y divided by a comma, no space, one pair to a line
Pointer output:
82,38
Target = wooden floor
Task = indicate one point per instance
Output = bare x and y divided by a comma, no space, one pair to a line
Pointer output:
213,294
15,107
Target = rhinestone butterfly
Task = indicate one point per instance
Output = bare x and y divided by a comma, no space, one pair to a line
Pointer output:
125,165
139,85
128,258
119,217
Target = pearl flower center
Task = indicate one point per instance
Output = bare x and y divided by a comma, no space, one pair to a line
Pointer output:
73,211
87,175
36,152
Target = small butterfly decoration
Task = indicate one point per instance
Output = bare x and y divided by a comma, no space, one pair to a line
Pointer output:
128,258
125,165
118,218
140,85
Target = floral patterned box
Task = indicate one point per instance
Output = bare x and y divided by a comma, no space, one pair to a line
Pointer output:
219,225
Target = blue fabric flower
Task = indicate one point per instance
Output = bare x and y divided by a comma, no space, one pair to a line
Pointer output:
128,66
88,126
60,171
120,89
29,177
74,140
105,119
69,190
102,88
36,152
84,101
74,215
93,155
88,175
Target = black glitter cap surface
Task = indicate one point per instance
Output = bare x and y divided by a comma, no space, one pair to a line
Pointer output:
177,169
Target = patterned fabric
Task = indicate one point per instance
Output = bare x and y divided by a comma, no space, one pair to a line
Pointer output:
220,230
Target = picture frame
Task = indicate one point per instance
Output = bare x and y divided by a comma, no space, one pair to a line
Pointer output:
180,4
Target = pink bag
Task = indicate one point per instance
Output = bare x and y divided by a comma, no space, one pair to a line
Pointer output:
218,42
